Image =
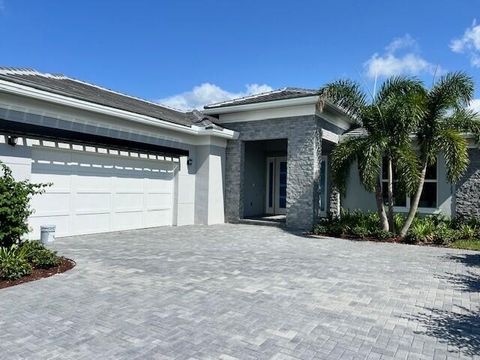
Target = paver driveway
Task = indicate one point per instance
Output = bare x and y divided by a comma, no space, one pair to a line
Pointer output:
246,292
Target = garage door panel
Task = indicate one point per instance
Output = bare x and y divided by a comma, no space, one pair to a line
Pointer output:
128,201
160,217
90,223
98,193
127,220
158,201
60,182
92,203
90,183
51,203
160,184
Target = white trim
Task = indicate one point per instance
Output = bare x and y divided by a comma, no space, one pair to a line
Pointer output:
330,136
304,100
22,90
264,114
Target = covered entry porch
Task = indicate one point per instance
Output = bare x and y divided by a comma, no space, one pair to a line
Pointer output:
278,167
265,181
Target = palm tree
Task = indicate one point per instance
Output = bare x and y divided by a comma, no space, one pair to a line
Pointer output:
445,118
388,120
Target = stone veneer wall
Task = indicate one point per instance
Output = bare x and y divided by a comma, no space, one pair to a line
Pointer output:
304,150
467,194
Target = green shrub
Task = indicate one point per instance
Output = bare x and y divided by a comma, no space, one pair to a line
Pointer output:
14,206
422,230
445,235
12,264
360,232
468,232
38,255
382,234
398,221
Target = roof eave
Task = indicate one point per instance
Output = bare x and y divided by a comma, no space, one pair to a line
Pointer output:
304,100
30,92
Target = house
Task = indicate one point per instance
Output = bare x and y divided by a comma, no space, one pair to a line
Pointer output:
117,162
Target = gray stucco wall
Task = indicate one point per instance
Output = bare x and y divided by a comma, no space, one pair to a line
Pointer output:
356,197
467,201
304,148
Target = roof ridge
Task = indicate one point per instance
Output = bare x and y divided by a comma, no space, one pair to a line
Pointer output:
252,96
31,71
302,91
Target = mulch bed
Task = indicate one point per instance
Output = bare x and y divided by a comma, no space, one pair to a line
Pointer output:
65,265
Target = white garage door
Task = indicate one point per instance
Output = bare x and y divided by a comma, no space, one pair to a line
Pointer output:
94,193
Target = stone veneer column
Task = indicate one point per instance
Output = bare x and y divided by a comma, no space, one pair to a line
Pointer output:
304,155
234,168
467,194
334,203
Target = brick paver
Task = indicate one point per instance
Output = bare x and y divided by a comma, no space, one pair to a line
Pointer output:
245,292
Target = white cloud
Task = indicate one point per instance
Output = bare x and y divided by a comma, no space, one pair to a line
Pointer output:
401,57
207,93
475,105
469,44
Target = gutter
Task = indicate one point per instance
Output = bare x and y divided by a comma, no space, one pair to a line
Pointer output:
22,90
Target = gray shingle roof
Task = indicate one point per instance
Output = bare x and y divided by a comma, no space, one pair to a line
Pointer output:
280,94
63,85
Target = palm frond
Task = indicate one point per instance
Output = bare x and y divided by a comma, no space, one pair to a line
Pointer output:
407,167
398,86
462,120
455,150
453,90
370,161
342,158
347,95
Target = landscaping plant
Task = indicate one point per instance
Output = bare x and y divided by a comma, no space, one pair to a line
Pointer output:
388,119
445,117
12,263
15,208
17,261
430,229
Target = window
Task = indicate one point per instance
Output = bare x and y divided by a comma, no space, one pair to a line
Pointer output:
428,199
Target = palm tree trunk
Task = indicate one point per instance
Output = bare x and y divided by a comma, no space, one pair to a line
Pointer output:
380,208
414,204
390,195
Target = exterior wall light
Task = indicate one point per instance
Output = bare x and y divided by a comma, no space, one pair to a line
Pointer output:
12,140
189,162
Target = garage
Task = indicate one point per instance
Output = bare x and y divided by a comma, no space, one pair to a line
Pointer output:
94,191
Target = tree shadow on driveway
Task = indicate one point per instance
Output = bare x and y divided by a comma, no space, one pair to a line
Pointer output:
459,326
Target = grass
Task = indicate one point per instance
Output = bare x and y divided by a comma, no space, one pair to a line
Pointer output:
466,244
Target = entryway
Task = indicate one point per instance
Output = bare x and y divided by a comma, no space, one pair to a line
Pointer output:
276,194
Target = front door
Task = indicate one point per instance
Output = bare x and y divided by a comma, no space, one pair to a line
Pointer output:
322,188
276,199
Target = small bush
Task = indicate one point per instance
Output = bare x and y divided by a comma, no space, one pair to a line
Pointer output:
12,264
445,235
359,231
382,234
38,255
431,229
15,206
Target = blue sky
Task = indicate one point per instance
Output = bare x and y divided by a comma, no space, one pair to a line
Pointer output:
186,53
